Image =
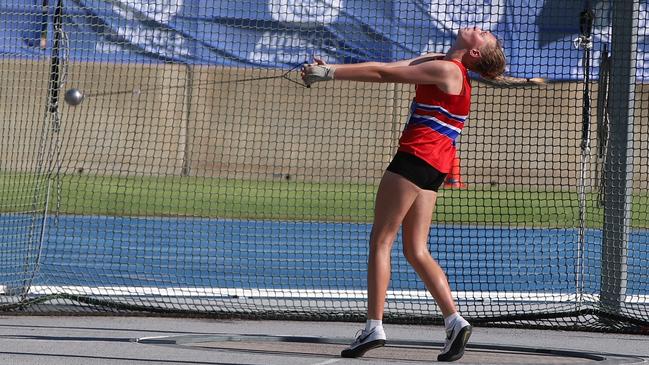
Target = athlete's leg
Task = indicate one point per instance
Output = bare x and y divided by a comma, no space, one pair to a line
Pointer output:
393,200
416,227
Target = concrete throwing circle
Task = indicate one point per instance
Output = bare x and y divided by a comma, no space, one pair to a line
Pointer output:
395,350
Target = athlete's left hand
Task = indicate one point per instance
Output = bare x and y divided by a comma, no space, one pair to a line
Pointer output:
317,71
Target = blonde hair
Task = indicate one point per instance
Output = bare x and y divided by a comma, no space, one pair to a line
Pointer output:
491,67
492,61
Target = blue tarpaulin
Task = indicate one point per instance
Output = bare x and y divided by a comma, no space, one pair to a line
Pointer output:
538,36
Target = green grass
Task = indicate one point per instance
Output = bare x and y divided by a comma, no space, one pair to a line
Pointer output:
294,200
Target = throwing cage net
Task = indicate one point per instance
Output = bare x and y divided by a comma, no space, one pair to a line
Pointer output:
194,174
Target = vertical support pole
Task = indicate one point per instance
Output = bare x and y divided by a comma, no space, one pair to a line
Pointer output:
586,19
47,151
619,160
186,138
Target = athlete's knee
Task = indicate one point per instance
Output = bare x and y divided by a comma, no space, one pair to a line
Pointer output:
416,256
384,229
382,238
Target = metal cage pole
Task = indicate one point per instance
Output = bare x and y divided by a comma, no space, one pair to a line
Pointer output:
618,168
584,41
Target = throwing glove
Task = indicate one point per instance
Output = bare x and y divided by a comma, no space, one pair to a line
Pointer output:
317,73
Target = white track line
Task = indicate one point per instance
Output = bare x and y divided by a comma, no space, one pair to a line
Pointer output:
330,361
195,292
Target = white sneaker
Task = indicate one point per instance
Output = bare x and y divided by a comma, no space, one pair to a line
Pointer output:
456,338
364,342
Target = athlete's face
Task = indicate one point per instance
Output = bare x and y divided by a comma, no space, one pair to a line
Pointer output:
475,38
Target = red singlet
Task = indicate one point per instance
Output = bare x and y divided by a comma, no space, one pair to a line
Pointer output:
436,121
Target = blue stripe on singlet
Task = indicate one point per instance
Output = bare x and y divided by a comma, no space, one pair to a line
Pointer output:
435,125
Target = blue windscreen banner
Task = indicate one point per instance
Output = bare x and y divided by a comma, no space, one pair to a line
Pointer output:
538,36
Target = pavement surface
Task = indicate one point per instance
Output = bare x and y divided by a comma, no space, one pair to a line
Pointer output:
70,340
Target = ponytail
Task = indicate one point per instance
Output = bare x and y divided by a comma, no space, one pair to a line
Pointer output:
507,81
491,68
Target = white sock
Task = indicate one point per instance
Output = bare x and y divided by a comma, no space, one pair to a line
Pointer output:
372,323
448,321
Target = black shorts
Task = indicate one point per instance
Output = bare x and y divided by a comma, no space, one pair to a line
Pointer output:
417,171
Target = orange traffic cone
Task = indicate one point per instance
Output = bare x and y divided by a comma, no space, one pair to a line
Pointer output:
453,179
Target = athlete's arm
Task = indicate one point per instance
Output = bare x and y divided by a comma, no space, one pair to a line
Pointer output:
434,72
426,69
417,60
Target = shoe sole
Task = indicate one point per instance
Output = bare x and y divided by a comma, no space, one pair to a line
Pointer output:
362,349
457,347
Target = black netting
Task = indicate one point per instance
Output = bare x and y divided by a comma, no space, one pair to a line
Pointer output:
197,175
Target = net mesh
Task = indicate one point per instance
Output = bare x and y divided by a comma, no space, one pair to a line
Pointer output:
198,176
